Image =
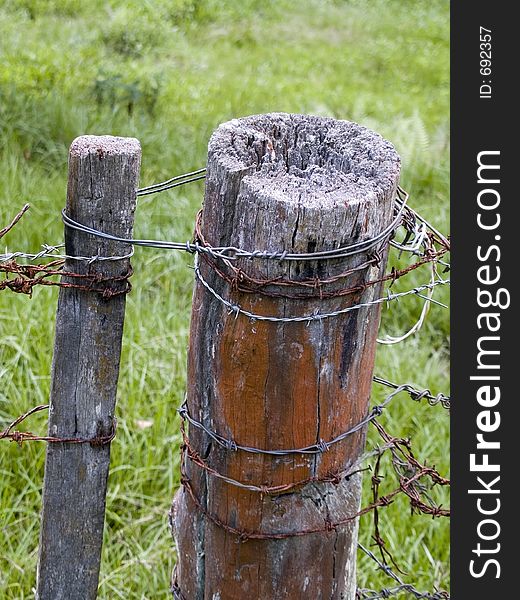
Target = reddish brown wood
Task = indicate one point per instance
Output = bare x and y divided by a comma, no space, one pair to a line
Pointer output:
297,183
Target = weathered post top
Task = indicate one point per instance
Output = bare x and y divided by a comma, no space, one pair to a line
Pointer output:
317,162
101,188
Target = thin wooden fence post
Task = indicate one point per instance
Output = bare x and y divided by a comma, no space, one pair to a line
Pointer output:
101,193
298,184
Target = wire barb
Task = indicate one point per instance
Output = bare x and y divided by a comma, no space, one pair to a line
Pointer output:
316,316
9,433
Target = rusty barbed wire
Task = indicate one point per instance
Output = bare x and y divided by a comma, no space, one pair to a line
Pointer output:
237,310
328,526
240,281
367,594
26,436
422,241
27,276
188,452
410,484
434,246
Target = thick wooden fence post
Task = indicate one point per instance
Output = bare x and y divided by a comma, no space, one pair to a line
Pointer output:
298,184
103,177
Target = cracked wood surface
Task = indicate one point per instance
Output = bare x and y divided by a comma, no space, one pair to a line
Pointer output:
103,177
301,184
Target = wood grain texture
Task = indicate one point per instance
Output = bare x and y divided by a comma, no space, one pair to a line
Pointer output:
301,184
103,177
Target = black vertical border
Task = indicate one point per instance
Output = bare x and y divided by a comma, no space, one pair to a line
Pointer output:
479,125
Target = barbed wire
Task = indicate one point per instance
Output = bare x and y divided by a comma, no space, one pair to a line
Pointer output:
189,453
418,395
17,217
367,594
29,276
240,281
232,252
26,277
420,239
413,392
198,174
236,309
409,479
409,485
402,212
50,251
53,252
316,448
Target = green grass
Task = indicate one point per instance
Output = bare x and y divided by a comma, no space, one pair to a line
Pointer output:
168,72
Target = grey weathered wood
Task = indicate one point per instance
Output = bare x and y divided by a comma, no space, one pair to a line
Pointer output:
103,177
297,183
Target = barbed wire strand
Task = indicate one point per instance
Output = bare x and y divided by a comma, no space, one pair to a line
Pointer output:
51,251
8,228
416,394
366,594
316,448
28,276
316,316
26,436
232,252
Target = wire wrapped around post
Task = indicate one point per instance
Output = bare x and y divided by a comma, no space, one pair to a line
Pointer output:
296,187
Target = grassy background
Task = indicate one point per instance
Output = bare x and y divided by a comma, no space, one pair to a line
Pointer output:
168,72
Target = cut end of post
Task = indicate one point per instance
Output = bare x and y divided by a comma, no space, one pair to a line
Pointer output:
101,193
104,145
316,161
